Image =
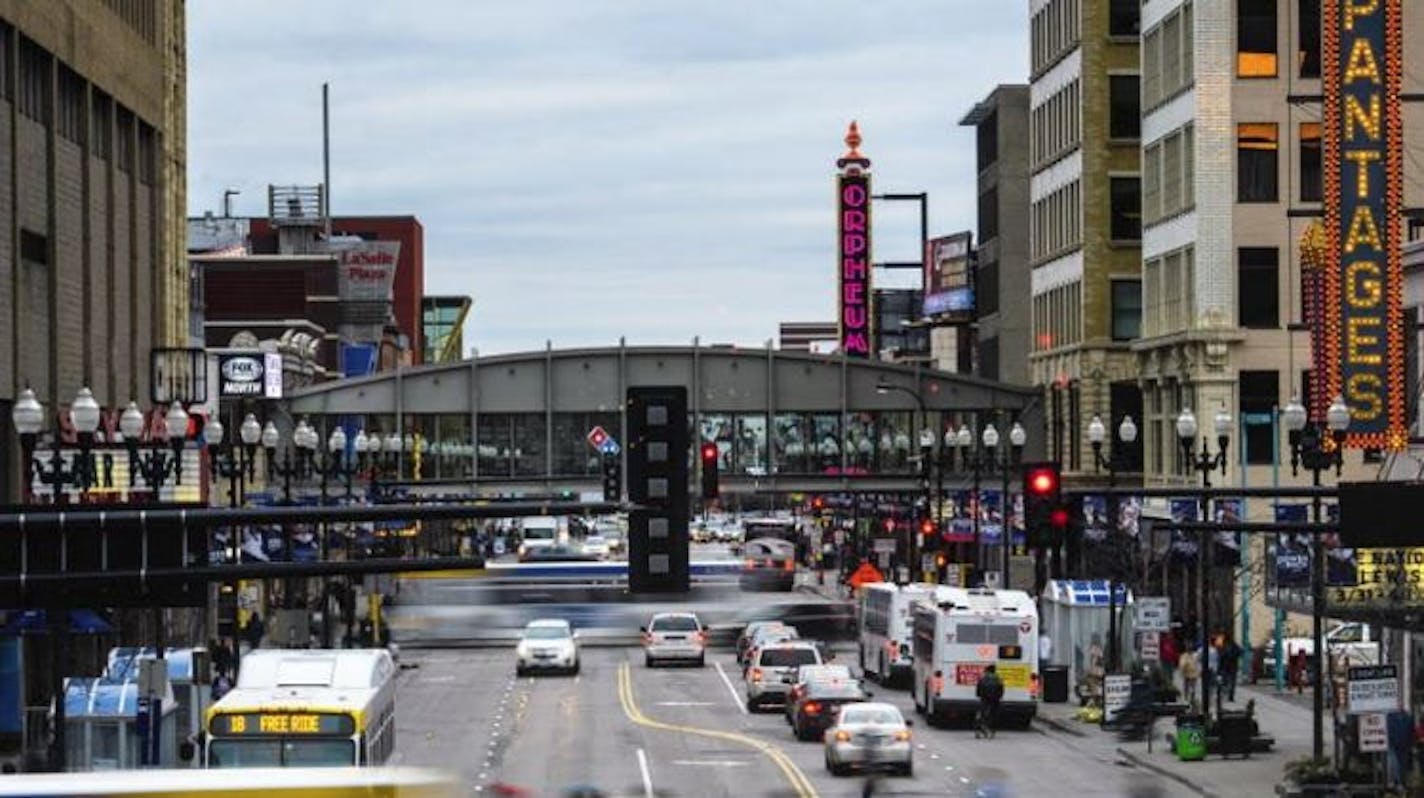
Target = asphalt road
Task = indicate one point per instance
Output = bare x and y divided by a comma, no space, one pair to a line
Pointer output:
684,732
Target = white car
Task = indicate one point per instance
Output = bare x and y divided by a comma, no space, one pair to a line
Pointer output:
596,545
548,644
674,636
871,736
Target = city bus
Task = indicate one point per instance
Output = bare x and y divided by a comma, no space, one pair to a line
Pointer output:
885,629
258,783
293,708
959,632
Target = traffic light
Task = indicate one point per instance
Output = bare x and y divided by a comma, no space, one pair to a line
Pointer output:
1043,503
612,478
927,528
658,449
709,470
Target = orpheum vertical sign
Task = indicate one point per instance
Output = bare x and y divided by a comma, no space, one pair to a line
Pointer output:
1362,323
855,264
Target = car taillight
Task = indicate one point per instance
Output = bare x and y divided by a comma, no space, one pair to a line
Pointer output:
812,708
937,683
902,735
1033,686
702,638
751,563
790,565
756,674
842,736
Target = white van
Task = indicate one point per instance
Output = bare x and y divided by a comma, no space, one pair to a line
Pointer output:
886,629
538,532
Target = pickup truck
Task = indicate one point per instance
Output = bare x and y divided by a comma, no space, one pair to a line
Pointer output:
1349,643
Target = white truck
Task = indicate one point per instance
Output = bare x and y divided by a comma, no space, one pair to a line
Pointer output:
1348,644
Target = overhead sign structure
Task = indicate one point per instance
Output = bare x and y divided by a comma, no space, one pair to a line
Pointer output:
853,263
1360,335
1373,688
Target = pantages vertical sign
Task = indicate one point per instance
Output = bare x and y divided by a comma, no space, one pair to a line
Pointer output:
853,206
1362,325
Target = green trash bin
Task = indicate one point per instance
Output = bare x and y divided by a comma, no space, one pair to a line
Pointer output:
1191,739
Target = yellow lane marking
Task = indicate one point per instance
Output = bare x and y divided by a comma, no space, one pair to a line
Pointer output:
798,780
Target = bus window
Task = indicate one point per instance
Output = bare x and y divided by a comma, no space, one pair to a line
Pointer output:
317,753
244,753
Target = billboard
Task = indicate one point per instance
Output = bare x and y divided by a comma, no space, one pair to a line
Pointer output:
367,271
853,201
255,374
1361,331
949,277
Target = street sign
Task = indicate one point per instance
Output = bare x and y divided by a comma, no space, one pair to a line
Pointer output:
599,439
1374,734
1373,688
1117,691
881,545
1153,614
1150,644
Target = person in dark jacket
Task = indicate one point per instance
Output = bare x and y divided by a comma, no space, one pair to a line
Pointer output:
990,691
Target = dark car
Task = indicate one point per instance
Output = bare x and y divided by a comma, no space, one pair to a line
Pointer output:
770,564
816,706
820,620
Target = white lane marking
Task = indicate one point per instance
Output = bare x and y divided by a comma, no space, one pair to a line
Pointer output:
721,763
647,777
736,699
686,704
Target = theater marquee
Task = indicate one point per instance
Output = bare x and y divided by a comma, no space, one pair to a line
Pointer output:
853,265
1361,337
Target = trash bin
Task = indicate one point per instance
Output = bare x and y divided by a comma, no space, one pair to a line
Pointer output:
1234,729
1055,684
1191,738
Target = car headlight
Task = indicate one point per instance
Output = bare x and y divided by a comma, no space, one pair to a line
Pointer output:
521,650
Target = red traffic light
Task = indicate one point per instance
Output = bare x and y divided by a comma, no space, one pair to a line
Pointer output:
889,525
1042,481
818,502
1058,518
927,527
709,452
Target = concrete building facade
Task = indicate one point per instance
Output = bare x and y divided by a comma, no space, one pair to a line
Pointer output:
1084,216
92,194
1001,273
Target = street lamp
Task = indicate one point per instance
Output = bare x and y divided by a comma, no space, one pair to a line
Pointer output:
987,460
927,442
233,460
1318,449
1204,462
1116,460
28,417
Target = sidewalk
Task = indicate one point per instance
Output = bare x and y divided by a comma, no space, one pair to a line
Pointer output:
1287,717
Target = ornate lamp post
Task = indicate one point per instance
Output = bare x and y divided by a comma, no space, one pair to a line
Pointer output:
1318,448
1117,460
1204,462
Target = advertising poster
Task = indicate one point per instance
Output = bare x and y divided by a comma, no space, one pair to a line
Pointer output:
1292,550
1184,545
1226,551
1095,518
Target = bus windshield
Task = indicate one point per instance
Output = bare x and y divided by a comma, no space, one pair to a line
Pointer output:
280,753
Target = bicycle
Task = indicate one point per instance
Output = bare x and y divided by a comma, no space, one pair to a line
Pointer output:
984,723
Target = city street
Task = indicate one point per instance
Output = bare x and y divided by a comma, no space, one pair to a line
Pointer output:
683,731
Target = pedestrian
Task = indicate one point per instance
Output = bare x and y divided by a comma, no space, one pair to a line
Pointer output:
1299,665
1170,655
1230,668
221,685
254,631
221,656
1190,667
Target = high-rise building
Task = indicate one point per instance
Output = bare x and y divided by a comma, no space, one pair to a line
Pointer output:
92,185
1001,271
1084,215
1231,180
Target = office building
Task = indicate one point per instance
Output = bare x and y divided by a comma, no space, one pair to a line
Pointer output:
1084,215
1001,271
92,182
443,323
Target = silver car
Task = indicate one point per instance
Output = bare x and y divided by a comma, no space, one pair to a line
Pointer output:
770,667
547,644
674,637
870,736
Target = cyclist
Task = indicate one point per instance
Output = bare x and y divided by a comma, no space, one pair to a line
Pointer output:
990,691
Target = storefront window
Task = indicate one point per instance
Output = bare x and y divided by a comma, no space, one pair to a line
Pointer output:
750,453
496,445
894,442
573,456
791,441
529,444
860,441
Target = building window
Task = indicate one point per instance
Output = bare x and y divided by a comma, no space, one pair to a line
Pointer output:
987,134
1256,38
101,138
1126,309
1260,395
1126,209
34,247
1126,102
986,288
147,154
71,105
34,82
1256,149
1308,34
989,358
1124,16
989,215
1310,171
1258,287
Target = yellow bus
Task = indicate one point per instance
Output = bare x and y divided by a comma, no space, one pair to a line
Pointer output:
295,708
257,783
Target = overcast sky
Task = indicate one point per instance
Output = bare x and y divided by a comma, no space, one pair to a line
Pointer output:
590,169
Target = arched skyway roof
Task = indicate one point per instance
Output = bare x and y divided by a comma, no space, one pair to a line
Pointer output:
825,410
